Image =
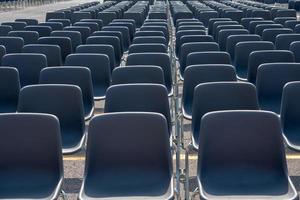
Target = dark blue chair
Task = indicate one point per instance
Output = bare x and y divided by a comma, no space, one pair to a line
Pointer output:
283,41
220,96
256,58
125,34
29,66
80,76
242,52
65,22
92,25
197,74
64,43
63,101
75,37
29,22
77,16
12,44
259,29
247,20
150,39
4,30
253,24
97,21
16,26
44,31
52,52
85,31
117,34
143,48
2,52
99,67
157,59
289,114
9,89
32,163
291,24
295,48
55,15
245,157
55,26
209,57
225,33
29,37
212,21
155,167
270,80
148,33
282,20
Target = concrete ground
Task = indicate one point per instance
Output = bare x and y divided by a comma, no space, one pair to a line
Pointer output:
74,164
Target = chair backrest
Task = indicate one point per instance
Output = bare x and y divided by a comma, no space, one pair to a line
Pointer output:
265,14
99,67
98,21
75,37
138,98
44,31
253,24
54,15
291,24
92,25
196,74
142,48
146,154
224,27
9,89
55,26
270,80
12,44
52,52
100,49
259,29
209,57
64,43
246,21
259,147
138,74
148,33
106,17
77,16
29,37
117,34
188,48
179,34
80,76
2,52
272,33
28,21
158,59
29,66
65,22
242,52
218,96
282,20
125,34
52,99
283,41
225,33
212,21
23,148
150,39
16,26
220,23
4,30
295,48
256,58
85,31
232,40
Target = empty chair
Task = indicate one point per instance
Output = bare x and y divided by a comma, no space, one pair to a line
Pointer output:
55,26
130,26
227,28
289,114
157,28
80,76
148,98
99,49
148,33
29,66
193,38
270,80
64,43
31,156
43,31
246,173
125,34
295,48
2,52
63,101
256,58
232,40
65,22
52,52
29,37
158,59
283,41
205,16
108,40
107,17
179,34
55,15
253,24
29,22
225,33
98,21
259,29
291,24
190,27
221,23
246,21
92,25
212,21
75,37
117,34
138,74
4,30
286,13
155,167
265,14
217,96
99,67
282,20
271,34
188,48
12,44
16,26
197,74
85,31
142,48
150,39
9,89
235,15
242,52
77,16
208,57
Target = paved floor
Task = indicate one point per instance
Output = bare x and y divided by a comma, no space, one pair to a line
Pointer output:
74,164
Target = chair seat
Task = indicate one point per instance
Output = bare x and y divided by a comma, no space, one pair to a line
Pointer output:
271,105
292,136
99,92
8,107
246,183
128,184
28,184
70,140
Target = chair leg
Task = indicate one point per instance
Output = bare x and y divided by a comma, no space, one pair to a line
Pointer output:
195,193
63,195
